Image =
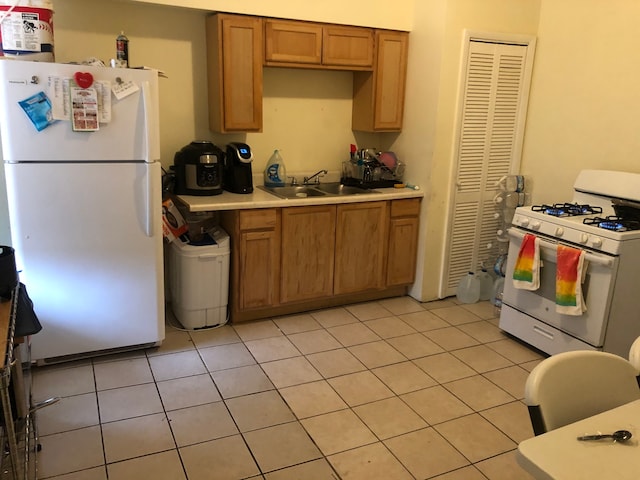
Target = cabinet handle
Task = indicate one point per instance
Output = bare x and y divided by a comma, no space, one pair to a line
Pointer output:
543,332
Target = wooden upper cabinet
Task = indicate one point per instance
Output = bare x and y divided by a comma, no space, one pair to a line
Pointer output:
238,46
316,45
292,42
378,96
347,46
234,68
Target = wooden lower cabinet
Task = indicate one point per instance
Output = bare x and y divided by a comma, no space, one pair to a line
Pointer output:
255,258
361,240
294,259
308,246
403,241
259,262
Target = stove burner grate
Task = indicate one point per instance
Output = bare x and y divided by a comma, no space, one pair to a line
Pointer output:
566,209
612,222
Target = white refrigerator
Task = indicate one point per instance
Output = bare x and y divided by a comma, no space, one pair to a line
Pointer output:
84,203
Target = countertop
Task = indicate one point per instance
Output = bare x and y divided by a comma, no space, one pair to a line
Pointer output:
557,454
261,199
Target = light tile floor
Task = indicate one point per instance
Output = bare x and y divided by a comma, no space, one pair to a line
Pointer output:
387,390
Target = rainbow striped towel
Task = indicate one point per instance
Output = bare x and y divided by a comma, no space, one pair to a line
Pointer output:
570,263
526,273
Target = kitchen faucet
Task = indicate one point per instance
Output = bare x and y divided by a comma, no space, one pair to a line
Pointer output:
316,176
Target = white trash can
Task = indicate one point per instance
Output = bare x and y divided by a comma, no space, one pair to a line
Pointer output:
199,274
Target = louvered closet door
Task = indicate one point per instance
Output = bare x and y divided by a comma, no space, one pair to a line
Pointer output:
490,141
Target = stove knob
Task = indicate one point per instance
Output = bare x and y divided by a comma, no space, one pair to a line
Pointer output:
583,238
535,225
596,242
524,222
559,231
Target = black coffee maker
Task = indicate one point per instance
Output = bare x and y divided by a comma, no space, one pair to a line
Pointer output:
237,168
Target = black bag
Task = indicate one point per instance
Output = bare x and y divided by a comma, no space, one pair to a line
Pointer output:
27,322
8,272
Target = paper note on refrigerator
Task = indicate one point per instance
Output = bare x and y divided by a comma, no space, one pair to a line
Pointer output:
103,88
58,91
59,95
124,89
84,109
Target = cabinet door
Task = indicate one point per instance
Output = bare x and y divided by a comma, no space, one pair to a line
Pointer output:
234,66
259,264
403,241
378,97
256,258
308,236
347,46
391,71
361,242
292,42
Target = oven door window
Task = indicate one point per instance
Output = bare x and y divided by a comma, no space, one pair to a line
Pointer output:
541,304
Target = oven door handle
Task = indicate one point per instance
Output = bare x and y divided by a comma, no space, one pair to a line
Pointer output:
590,257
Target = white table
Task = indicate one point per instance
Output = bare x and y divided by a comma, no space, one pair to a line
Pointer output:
558,455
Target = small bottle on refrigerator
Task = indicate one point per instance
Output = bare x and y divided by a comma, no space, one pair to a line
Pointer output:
122,50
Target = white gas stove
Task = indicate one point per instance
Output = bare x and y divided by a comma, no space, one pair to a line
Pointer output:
582,221
601,219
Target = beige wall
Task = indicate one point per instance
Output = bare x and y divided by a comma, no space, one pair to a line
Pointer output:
416,144
584,108
582,111
169,39
434,66
396,15
307,113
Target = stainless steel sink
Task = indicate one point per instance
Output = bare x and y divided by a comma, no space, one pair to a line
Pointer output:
294,191
339,189
316,190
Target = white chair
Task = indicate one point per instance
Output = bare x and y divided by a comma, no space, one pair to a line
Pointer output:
570,386
634,356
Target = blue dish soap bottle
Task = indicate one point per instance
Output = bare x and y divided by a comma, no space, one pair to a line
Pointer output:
275,173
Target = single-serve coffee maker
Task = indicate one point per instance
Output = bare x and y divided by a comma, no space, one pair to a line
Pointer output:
237,168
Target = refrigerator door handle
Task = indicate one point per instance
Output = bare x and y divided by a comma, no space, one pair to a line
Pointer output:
146,104
150,194
148,124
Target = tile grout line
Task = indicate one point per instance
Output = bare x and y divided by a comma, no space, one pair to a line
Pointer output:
348,407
